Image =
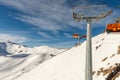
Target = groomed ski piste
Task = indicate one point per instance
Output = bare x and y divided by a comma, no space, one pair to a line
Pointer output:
69,64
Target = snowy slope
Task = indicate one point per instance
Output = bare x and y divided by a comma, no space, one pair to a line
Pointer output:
70,65
18,59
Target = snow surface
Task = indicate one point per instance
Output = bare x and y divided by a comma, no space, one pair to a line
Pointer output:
69,65
16,59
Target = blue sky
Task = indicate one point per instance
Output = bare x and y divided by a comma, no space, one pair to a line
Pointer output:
47,22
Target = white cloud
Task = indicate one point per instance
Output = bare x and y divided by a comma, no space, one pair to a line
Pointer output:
7,37
43,24
67,35
45,35
52,15
45,14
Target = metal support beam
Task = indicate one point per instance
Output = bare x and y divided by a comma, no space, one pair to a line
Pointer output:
88,66
80,15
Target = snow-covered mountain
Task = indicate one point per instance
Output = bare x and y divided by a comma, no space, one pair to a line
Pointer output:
17,59
70,64
8,48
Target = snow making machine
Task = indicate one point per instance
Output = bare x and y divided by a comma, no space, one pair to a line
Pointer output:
113,26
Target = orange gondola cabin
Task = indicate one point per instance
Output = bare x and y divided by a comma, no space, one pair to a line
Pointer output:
75,36
114,27
78,36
